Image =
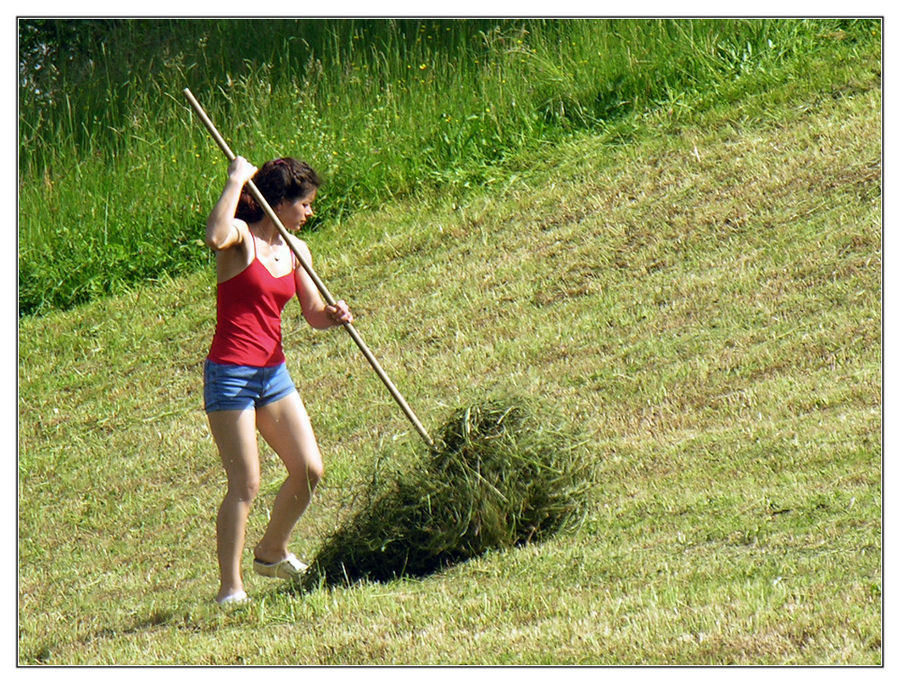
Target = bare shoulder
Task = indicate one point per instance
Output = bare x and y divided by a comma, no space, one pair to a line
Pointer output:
242,238
301,247
242,228
238,233
236,256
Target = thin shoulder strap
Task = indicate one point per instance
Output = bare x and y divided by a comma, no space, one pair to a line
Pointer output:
294,262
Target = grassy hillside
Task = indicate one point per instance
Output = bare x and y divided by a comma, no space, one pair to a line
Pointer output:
700,294
113,164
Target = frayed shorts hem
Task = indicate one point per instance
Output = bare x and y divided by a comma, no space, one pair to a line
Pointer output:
229,387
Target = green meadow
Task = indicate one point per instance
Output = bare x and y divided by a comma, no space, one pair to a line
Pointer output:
667,232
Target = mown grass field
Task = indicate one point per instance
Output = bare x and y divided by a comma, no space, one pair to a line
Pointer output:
703,299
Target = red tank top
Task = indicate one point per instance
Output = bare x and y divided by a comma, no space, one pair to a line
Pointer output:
248,316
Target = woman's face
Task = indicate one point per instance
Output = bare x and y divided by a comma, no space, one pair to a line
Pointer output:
294,214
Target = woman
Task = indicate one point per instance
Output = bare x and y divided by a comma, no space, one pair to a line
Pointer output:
246,384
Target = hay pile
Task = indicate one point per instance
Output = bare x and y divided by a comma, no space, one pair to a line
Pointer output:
500,476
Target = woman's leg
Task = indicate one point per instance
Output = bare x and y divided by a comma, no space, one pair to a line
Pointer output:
286,427
235,436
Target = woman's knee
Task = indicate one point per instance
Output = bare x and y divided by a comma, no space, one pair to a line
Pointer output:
315,471
245,489
308,473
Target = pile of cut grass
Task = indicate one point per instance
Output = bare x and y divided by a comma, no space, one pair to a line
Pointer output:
503,474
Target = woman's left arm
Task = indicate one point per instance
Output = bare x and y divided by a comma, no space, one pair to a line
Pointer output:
317,313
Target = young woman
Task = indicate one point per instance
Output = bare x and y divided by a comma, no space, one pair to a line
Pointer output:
246,384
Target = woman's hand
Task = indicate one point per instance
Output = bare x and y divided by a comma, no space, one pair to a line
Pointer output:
240,170
339,313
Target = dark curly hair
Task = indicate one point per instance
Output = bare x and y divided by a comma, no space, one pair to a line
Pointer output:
280,179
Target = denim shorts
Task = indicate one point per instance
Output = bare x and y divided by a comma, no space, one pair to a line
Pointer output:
236,388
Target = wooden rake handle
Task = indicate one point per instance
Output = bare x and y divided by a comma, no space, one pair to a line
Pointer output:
395,393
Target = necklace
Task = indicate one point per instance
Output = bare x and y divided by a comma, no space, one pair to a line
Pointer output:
274,248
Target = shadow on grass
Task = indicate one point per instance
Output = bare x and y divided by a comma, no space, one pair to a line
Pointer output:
503,474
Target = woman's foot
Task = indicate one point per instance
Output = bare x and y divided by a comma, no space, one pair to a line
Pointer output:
288,568
225,598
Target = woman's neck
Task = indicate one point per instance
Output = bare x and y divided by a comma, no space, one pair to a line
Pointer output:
265,229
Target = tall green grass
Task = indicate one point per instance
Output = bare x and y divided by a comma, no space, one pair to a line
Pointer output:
116,176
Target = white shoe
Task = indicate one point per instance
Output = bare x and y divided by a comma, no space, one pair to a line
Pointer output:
236,597
288,568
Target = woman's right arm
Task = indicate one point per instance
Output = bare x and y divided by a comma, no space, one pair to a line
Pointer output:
221,230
